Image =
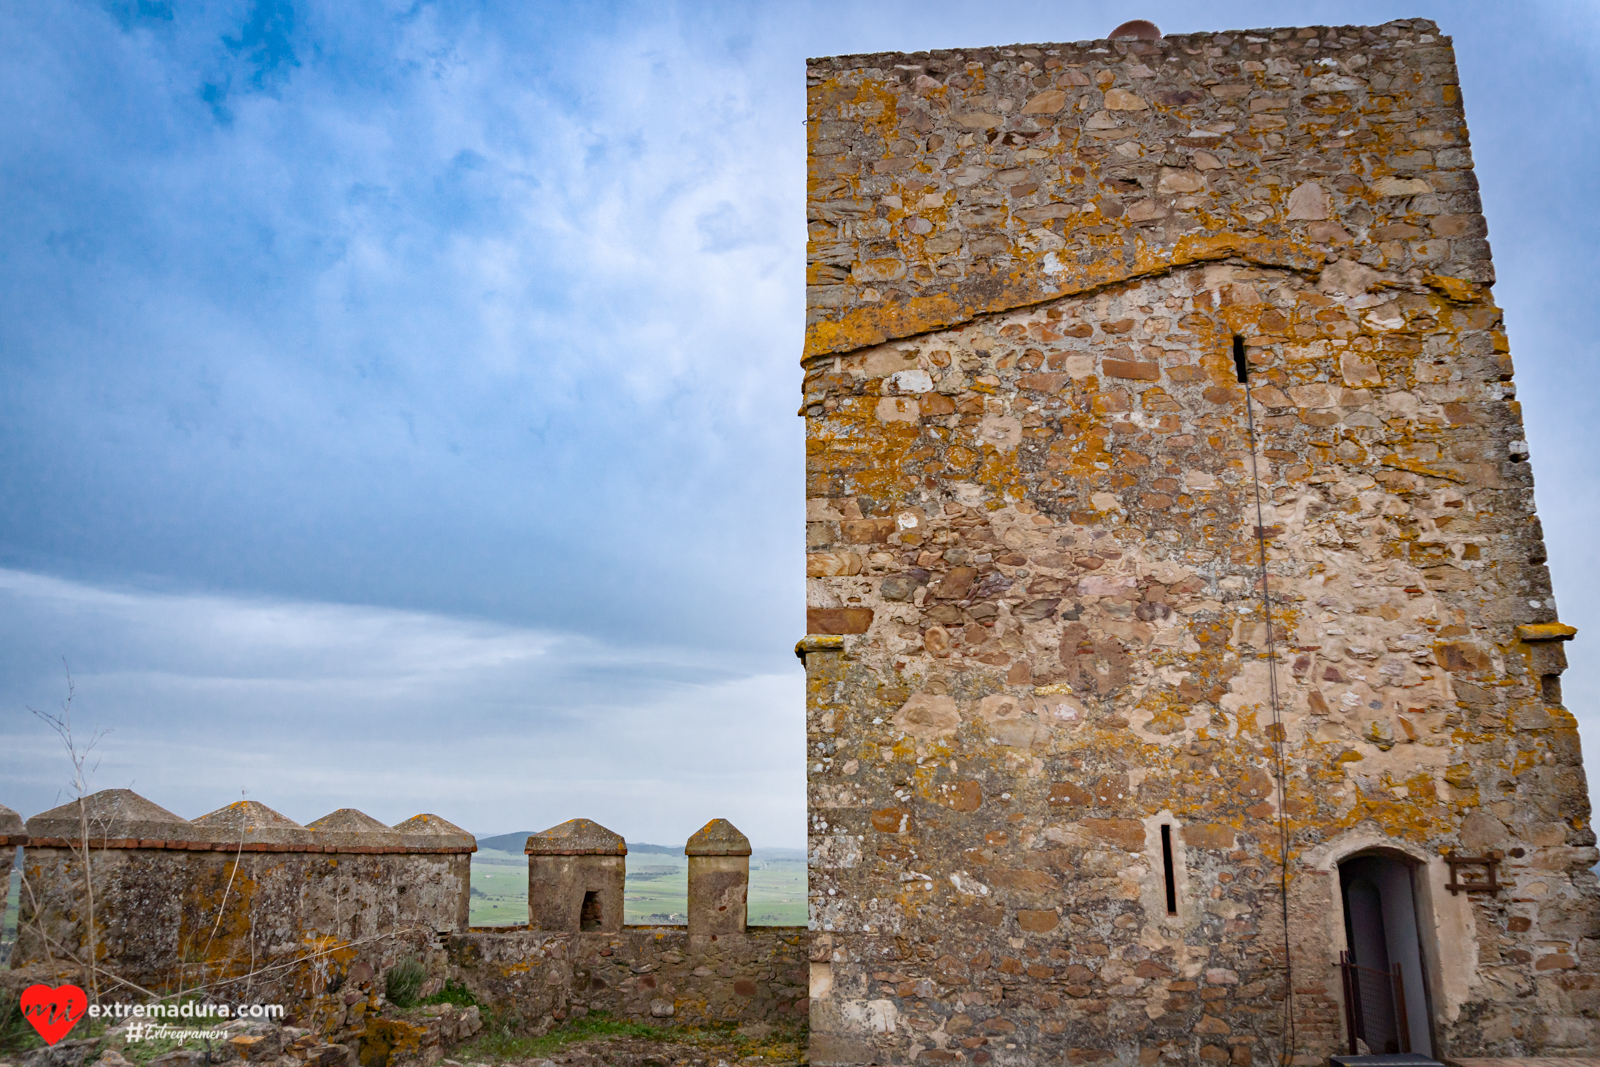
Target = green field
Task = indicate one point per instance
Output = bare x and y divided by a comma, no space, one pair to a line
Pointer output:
656,892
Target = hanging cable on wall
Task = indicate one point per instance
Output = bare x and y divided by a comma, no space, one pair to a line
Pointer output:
1241,367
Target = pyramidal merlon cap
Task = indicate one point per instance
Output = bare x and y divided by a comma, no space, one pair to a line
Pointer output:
349,828
576,837
432,832
112,815
250,822
719,837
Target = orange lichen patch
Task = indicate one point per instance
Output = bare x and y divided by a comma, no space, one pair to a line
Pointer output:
216,915
1546,631
1458,289
387,1041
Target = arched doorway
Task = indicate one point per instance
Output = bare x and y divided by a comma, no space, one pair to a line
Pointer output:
1385,985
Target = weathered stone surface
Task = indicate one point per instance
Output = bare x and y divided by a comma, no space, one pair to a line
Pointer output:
239,907
759,977
957,184
719,881
1547,631
1067,643
11,828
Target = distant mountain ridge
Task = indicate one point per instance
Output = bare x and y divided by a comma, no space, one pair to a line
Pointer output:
516,842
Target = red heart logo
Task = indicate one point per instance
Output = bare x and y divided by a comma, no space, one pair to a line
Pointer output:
53,1012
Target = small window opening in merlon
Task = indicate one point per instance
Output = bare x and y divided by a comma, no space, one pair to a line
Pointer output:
589,917
1241,363
1166,869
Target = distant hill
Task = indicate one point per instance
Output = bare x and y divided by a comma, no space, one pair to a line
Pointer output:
763,853
507,842
518,841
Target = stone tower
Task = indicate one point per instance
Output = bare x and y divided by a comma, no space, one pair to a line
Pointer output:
1055,750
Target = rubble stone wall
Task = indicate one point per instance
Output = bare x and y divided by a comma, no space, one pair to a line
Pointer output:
251,907
165,916
640,972
1034,588
243,896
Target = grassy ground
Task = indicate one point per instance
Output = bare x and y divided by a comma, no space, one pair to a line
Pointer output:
656,892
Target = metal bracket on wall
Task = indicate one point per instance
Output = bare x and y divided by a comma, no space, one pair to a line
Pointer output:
1474,881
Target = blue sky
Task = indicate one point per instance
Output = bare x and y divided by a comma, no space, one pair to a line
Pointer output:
399,397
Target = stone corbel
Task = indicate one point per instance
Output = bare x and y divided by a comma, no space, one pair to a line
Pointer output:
818,643
1546,656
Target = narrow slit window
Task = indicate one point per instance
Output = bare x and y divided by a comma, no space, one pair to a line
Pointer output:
589,917
1166,869
1241,363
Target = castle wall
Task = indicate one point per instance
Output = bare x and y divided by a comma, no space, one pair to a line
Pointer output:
1037,630
253,907
639,972
242,896
164,916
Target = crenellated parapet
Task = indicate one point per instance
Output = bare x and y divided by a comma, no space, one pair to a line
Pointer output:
249,904
175,899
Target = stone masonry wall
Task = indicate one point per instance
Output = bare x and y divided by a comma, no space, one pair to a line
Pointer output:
162,913
1033,584
640,972
243,896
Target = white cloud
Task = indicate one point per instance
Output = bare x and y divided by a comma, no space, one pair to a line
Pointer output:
313,706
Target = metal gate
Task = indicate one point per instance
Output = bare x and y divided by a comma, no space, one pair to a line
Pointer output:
1367,993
